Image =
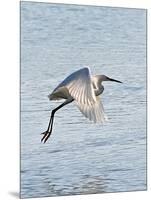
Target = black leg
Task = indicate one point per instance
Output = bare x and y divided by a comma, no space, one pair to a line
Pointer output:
48,132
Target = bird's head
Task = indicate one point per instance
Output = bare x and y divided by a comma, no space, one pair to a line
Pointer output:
106,78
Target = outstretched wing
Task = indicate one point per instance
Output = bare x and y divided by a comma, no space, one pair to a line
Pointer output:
79,86
94,112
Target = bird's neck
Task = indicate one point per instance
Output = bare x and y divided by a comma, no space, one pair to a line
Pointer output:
99,90
97,85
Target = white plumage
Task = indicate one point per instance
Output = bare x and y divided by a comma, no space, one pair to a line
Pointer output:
84,89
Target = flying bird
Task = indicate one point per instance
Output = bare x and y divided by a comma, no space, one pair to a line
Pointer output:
83,88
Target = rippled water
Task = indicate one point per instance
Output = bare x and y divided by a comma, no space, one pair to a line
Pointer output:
82,157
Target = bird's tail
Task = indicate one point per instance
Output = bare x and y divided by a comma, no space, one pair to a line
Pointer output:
53,97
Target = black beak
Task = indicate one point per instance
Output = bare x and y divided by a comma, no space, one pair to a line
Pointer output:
110,79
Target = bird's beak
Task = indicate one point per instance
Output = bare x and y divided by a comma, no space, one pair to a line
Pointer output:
110,79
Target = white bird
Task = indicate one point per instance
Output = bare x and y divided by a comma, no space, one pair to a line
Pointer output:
84,89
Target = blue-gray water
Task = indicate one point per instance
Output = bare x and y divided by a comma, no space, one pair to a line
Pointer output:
82,157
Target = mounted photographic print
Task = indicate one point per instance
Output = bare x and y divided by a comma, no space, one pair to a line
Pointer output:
83,99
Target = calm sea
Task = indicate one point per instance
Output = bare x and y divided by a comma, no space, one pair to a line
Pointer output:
82,157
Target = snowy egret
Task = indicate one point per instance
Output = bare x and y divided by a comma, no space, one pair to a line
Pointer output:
84,89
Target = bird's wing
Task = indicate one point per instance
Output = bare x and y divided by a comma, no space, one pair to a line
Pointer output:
80,86
94,112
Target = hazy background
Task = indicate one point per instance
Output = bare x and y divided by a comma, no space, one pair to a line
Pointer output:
82,157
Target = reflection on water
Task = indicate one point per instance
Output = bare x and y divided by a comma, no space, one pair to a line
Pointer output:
87,185
82,157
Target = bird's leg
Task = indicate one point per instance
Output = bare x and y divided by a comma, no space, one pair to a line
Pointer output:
47,131
50,125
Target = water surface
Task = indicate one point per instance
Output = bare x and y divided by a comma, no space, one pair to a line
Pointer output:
82,157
